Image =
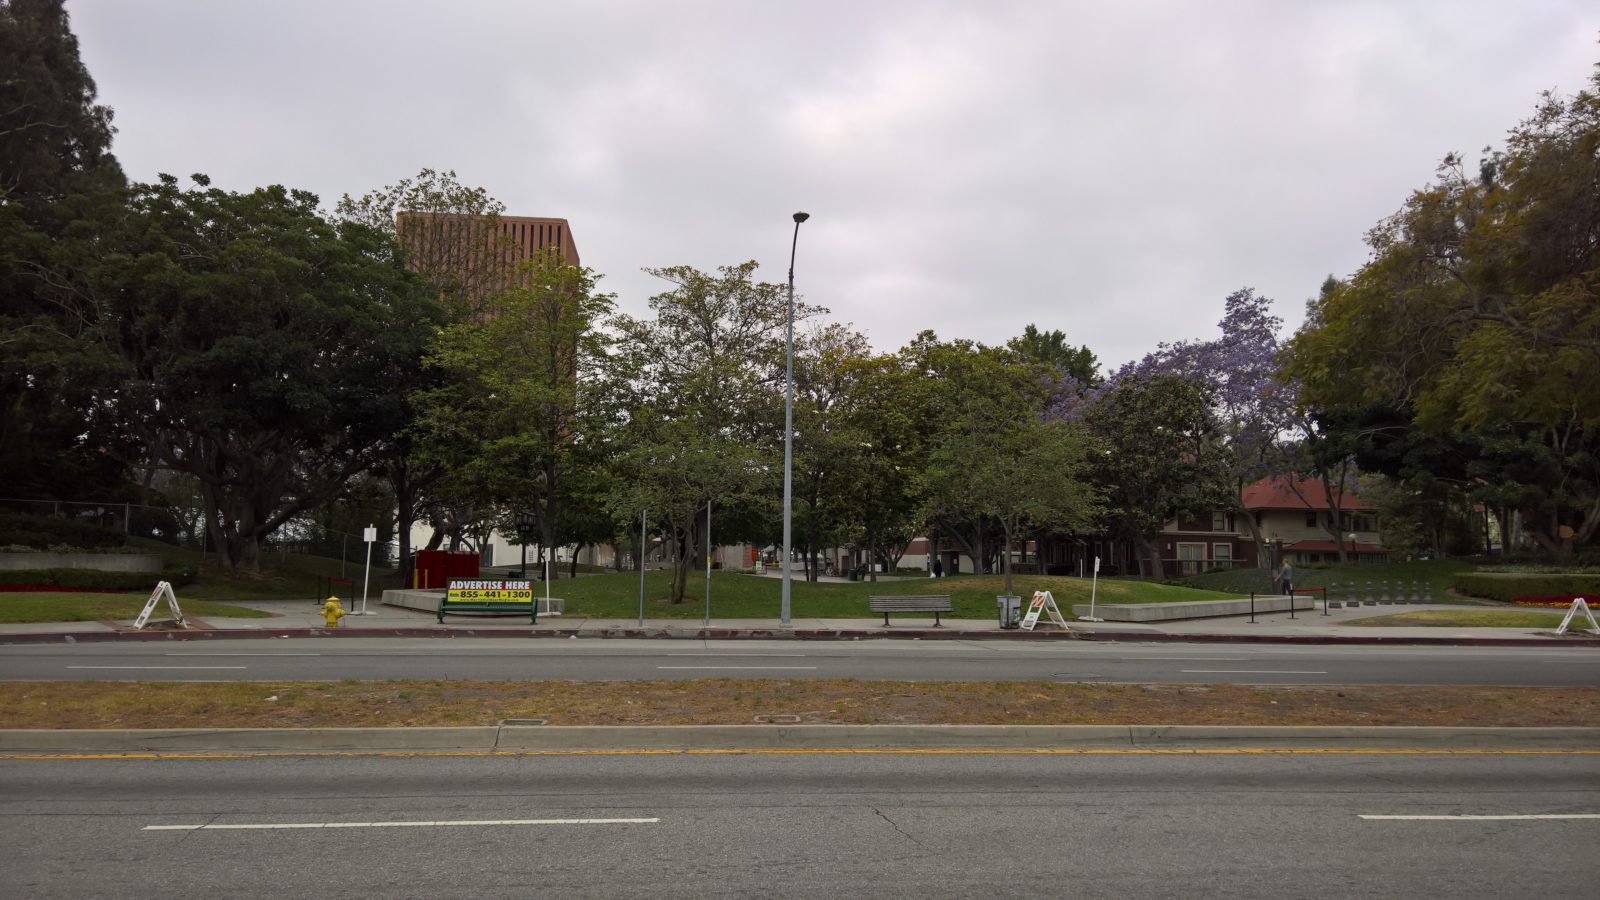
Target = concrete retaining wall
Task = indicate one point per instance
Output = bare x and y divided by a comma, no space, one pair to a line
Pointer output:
104,562
1191,609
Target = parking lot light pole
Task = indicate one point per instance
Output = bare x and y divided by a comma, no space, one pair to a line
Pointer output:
788,430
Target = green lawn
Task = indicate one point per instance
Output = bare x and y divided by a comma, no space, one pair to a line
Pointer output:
1465,618
61,606
736,595
1439,573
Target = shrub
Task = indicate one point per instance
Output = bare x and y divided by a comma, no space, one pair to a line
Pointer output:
1507,586
1558,600
43,532
92,579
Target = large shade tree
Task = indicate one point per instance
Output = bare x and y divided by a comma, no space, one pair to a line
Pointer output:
257,346
1478,316
698,390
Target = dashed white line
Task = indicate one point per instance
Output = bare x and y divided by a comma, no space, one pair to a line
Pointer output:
1526,818
198,655
1249,672
759,668
152,668
738,655
1185,658
267,826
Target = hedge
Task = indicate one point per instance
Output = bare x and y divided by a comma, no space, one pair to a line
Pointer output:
43,532
92,579
1507,586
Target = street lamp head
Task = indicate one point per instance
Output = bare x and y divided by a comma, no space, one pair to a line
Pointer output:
801,217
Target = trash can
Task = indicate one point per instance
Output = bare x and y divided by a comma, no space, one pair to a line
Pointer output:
1010,607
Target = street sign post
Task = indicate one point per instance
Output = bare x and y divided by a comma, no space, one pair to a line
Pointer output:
1094,588
370,535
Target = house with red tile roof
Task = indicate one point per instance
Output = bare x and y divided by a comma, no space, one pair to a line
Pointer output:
1294,517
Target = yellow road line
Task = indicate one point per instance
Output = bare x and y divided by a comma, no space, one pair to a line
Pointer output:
1041,751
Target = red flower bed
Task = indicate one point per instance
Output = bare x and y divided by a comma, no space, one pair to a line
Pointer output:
63,588
1561,600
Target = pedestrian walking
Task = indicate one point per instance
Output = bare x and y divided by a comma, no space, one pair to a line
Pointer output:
938,567
1287,578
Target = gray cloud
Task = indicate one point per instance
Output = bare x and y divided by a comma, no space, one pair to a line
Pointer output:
1113,170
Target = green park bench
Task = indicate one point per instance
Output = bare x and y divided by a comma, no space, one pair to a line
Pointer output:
479,605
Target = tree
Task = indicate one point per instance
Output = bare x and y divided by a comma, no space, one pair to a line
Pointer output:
1255,408
256,344
827,380
505,417
54,139
696,389
1051,348
1161,456
999,458
1479,312
446,232
885,426
464,267
55,145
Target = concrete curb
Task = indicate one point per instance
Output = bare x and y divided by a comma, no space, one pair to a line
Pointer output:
1019,738
830,634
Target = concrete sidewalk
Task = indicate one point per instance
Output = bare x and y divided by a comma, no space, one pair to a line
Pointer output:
300,618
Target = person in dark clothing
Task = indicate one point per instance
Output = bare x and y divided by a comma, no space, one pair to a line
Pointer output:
938,567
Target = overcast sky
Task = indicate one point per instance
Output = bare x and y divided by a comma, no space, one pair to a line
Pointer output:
1111,169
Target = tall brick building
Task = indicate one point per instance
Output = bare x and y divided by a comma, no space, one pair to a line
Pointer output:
473,257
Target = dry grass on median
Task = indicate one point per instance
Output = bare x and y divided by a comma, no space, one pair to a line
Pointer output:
731,701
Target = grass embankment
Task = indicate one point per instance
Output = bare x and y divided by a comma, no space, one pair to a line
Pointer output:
62,606
289,576
745,702
735,595
1438,573
1465,618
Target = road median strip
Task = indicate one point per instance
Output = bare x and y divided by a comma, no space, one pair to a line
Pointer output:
539,740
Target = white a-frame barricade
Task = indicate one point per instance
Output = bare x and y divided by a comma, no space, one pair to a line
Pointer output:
163,589
1578,605
1043,604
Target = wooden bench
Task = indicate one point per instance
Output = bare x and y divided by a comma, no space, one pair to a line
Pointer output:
445,606
934,603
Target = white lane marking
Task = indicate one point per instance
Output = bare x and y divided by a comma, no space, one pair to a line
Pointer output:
240,654
1571,662
437,824
1187,658
736,667
1248,672
736,655
1482,818
144,668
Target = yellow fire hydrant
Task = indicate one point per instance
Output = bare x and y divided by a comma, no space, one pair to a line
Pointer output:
332,611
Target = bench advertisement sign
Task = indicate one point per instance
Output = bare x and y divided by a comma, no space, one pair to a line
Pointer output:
490,590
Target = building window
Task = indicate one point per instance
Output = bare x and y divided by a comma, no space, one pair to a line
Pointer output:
1311,520
1191,558
1219,522
1222,554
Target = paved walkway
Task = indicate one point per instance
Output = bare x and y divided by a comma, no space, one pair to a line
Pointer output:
1304,626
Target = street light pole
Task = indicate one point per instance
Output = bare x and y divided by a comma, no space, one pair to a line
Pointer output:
788,429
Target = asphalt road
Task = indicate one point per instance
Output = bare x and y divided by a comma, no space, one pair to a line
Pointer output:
545,659
839,825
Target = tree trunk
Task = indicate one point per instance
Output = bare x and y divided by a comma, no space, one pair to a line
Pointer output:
683,555
1005,556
